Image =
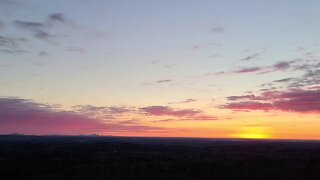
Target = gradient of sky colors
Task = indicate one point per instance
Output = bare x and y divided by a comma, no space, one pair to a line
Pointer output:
210,68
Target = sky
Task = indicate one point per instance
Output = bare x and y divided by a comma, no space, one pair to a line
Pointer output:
182,68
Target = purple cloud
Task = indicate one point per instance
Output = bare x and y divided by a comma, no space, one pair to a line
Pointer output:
294,100
301,94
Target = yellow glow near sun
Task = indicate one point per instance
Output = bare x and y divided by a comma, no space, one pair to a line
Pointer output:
254,133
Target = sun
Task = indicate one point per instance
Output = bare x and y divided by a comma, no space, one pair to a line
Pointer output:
253,136
253,133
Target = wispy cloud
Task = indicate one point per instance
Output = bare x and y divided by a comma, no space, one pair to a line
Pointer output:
57,17
102,112
41,30
180,114
75,49
205,45
43,53
217,29
6,65
14,51
279,66
36,28
28,25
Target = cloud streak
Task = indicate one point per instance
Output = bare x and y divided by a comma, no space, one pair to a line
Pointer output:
164,81
279,66
251,57
248,70
167,111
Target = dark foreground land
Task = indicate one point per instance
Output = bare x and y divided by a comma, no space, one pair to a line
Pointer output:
113,158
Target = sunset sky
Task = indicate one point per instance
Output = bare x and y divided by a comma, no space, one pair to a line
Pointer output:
170,68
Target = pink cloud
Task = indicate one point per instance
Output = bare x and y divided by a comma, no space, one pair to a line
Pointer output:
281,65
28,117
